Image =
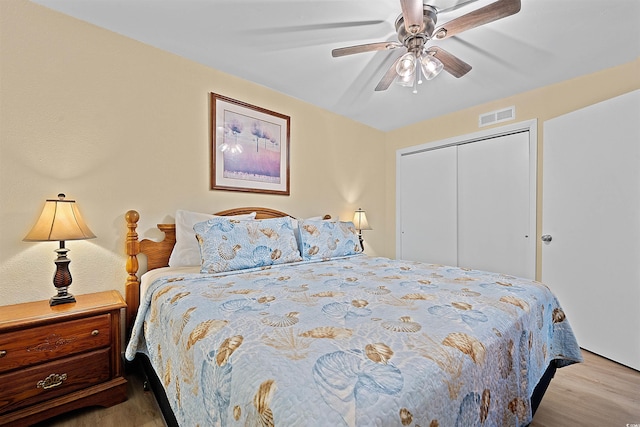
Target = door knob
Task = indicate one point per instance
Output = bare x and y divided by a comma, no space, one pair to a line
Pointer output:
546,238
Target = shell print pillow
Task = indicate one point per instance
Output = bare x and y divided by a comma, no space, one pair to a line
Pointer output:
228,244
326,239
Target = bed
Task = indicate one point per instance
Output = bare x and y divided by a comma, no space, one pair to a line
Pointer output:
334,337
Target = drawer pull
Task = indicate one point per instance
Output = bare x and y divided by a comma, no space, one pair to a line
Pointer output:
95,332
3,353
53,380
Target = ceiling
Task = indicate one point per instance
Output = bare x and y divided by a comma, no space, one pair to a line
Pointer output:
286,45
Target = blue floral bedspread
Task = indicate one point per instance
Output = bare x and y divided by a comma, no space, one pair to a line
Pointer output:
358,341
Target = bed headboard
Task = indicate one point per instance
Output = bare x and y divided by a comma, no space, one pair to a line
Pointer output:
158,253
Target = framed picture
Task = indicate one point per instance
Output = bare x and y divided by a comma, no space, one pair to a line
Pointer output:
249,147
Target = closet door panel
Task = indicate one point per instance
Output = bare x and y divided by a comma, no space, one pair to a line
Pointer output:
427,198
494,205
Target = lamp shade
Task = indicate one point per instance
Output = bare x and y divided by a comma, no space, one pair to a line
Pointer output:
407,65
60,220
431,66
360,220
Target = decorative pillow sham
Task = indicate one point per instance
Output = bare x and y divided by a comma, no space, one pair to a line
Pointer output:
328,239
186,251
231,244
295,222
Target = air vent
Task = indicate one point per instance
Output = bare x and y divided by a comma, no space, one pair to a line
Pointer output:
498,116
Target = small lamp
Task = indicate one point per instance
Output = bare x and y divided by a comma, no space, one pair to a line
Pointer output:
361,223
60,220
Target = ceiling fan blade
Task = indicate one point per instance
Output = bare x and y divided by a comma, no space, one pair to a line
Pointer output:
412,13
389,76
492,12
370,47
452,64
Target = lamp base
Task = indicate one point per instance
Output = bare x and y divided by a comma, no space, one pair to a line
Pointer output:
61,298
62,278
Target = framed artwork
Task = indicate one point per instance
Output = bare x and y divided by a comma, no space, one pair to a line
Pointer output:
249,147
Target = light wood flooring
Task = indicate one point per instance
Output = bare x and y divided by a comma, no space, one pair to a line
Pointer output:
596,393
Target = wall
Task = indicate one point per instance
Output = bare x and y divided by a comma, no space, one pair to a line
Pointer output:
544,104
119,125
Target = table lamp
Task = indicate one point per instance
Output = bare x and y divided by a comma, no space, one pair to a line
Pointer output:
60,220
361,223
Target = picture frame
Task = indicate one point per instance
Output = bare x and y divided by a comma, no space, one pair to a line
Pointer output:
249,147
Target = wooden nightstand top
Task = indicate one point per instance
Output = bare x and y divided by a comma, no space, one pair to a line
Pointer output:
40,312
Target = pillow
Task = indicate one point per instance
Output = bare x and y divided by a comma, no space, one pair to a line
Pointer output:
228,244
186,251
295,222
328,239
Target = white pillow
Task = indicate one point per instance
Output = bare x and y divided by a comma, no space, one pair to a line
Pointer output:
186,251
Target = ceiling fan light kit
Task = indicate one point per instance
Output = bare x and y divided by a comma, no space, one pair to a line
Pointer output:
413,66
416,26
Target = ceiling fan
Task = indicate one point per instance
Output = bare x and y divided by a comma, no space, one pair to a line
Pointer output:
416,26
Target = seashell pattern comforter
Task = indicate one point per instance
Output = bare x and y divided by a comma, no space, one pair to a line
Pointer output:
357,341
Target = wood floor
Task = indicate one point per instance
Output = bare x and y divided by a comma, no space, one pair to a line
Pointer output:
596,393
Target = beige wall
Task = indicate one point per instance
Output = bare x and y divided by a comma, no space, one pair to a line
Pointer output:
543,104
119,125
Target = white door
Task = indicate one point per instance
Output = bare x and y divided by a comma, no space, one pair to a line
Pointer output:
591,212
427,200
494,206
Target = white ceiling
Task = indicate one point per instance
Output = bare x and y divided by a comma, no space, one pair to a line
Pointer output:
286,45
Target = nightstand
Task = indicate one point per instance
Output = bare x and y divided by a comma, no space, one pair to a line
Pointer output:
56,359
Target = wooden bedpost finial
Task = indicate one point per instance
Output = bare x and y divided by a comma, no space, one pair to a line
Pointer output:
133,247
132,217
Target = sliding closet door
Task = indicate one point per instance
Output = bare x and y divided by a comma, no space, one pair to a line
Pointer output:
428,206
494,206
470,201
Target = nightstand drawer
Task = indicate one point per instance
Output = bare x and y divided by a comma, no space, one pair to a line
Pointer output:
32,385
49,342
